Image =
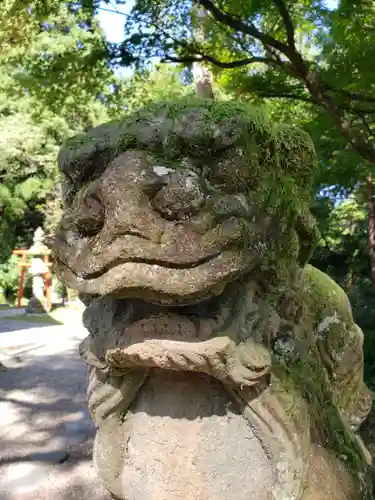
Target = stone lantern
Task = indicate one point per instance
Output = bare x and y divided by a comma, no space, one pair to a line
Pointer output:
38,269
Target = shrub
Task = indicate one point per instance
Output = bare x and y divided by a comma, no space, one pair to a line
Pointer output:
9,280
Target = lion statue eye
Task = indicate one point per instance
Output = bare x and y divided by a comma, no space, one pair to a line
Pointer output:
90,216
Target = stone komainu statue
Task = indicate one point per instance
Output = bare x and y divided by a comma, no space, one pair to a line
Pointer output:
221,365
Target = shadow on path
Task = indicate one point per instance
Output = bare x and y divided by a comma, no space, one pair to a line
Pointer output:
46,433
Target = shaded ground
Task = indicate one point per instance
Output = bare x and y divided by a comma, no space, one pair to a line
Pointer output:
45,432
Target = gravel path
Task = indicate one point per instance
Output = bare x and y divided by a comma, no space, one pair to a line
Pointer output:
46,434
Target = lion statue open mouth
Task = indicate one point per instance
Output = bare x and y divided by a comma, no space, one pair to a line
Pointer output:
187,233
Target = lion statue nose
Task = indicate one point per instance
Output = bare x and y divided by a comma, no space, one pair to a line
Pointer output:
181,196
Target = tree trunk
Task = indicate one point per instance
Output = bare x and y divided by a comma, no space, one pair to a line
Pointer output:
202,74
349,280
360,140
371,224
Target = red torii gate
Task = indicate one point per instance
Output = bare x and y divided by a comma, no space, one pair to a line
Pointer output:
24,264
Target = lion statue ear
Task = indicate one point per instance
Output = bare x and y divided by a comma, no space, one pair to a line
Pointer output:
308,234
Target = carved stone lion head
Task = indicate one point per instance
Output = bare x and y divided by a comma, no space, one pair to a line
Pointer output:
175,201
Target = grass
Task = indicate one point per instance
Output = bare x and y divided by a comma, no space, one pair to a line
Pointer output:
58,316
28,318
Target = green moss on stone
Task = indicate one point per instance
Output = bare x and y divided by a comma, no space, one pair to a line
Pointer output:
320,299
278,156
310,379
323,294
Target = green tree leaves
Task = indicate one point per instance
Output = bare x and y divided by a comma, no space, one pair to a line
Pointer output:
54,82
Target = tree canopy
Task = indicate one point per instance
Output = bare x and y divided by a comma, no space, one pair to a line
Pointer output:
40,106
297,50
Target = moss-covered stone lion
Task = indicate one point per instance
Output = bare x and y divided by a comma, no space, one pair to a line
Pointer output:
221,364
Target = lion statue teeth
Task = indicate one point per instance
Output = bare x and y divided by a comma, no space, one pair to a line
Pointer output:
221,364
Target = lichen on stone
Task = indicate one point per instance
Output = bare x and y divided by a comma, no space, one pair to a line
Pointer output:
327,366
281,156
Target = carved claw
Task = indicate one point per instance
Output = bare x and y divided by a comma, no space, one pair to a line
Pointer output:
220,357
245,377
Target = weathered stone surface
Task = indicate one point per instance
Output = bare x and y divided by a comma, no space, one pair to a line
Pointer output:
221,365
184,439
